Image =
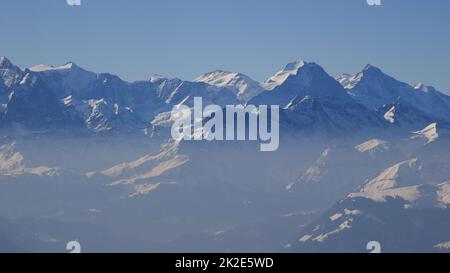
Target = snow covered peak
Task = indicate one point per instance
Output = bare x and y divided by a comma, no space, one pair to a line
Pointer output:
294,66
45,68
374,89
399,175
281,76
245,87
67,79
218,78
299,79
5,62
9,73
350,81
371,69
368,73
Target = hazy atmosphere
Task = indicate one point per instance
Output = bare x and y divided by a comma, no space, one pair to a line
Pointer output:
224,126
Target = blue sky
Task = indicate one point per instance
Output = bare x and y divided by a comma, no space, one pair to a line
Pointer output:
409,39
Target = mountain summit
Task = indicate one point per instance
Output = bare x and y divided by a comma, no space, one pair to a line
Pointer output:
375,89
5,63
281,76
244,87
44,68
309,97
300,79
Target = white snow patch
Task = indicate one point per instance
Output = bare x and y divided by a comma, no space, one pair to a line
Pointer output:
245,87
44,67
280,77
444,245
305,238
390,115
335,217
430,133
443,193
372,145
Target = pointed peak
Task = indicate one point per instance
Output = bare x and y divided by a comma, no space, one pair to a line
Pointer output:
295,65
294,68
368,66
70,65
5,62
371,68
349,81
290,69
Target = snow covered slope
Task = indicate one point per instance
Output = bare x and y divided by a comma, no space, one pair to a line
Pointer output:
244,87
405,208
373,88
297,80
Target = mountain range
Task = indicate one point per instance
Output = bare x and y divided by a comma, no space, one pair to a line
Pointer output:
44,97
88,156
404,206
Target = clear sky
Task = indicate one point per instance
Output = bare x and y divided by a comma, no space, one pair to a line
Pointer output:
409,39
